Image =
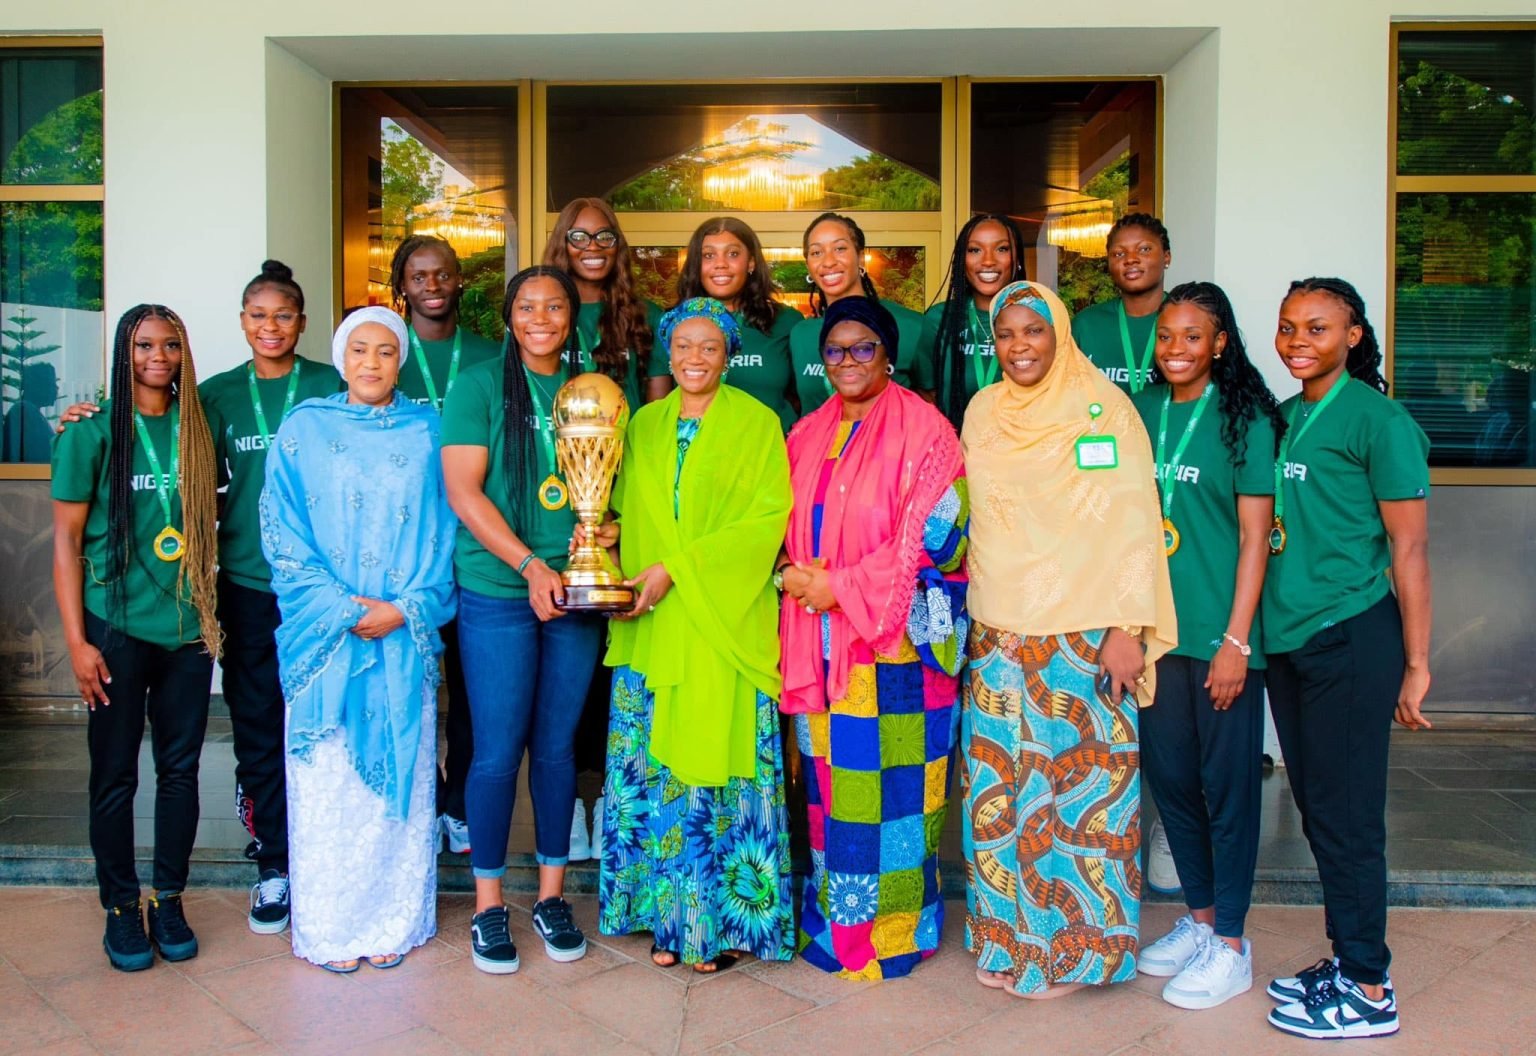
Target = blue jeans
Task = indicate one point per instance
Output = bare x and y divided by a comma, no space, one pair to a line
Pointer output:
527,682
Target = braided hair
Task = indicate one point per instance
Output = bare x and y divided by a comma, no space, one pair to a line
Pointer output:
621,330
517,404
1240,389
197,479
946,349
403,254
1147,222
758,305
278,276
1364,360
819,299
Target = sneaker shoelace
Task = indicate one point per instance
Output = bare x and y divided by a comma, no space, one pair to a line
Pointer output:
556,914
492,928
271,891
125,922
1323,994
170,918
1323,971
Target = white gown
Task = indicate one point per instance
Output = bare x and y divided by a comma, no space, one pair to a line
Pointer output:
362,884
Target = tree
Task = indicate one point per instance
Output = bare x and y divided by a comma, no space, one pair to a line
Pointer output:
411,175
871,181
17,353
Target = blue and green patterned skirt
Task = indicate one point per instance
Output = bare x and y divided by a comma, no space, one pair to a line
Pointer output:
704,869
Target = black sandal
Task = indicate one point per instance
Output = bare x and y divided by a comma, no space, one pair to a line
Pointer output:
722,963
658,951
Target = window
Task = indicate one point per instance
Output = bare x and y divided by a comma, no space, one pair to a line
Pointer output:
51,192
1464,214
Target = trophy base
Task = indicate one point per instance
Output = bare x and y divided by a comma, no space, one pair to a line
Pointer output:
598,597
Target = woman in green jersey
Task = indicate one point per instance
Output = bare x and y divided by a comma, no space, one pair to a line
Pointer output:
134,550
1118,335
1346,627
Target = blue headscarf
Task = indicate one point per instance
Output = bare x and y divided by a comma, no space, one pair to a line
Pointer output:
1020,293
864,310
354,505
701,308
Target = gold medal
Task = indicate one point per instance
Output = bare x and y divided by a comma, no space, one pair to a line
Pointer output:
170,545
1170,537
1277,537
552,493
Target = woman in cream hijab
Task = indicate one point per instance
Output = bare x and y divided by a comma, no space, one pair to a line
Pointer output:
1071,604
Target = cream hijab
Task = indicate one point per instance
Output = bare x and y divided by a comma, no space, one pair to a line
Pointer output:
1055,548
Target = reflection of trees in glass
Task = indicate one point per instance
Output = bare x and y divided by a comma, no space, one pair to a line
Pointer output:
1448,124
901,279
411,175
25,376
50,254
485,285
64,147
870,181
655,271
1084,281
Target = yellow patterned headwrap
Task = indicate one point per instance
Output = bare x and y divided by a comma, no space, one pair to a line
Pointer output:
1056,548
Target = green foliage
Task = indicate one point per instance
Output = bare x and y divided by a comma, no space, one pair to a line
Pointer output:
1084,281
791,276
64,147
51,255
873,182
902,280
411,175
1448,124
485,284
17,351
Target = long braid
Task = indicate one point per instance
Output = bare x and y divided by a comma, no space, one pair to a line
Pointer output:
199,485
517,404
120,464
1241,391
946,349
855,232
1364,360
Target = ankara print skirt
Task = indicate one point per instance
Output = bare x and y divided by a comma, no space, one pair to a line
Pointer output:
1052,825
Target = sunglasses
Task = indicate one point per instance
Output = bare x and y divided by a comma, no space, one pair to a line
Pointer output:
607,238
862,352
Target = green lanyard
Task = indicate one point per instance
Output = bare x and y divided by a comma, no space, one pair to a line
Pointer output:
985,375
1137,376
1293,435
426,371
1169,480
293,390
162,489
588,364
542,419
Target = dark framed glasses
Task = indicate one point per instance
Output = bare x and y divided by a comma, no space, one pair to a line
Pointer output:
861,352
607,238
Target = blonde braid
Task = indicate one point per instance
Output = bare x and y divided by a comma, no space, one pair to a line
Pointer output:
199,485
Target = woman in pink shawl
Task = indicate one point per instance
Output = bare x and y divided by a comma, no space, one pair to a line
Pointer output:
873,628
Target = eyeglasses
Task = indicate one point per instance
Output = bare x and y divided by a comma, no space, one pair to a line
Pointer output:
607,238
282,319
862,352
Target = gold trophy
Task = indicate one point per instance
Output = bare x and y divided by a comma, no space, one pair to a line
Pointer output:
590,417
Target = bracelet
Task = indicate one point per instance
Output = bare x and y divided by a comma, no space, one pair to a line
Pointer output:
524,562
1246,650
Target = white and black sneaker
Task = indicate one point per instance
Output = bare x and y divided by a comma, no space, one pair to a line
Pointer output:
552,922
494,950
269,903
1338,1009
1291,988
1169,955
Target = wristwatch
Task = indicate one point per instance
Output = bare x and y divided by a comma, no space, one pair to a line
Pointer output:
778,577
1246,650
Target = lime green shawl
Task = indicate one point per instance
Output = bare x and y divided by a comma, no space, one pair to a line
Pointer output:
712,643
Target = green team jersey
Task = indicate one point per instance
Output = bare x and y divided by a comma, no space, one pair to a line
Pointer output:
241,450
153,610
1096,329
762,368
472,417
473,349
1206,485
589,335
1362,450
811,374
980,368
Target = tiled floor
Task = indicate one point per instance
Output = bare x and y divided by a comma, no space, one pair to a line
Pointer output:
1461,818
1462,977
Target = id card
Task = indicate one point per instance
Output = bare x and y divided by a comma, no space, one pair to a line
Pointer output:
1097,452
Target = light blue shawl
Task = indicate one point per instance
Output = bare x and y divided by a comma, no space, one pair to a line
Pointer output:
354,504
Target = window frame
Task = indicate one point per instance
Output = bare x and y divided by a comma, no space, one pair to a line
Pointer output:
48,192
1480,184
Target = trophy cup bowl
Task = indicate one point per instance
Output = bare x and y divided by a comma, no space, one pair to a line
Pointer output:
590,417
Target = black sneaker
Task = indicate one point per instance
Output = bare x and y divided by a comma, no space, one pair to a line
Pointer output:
1292,988
1338,1009
269,903
125,942
494,950
552,922
169,930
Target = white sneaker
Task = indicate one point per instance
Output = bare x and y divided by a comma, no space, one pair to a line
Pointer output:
581,843
597,827
1172,953
1217,974
1162,874
455,832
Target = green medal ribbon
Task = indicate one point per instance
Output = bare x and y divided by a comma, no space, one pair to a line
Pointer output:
588,364
1168,481
985,375
426,371
552,492
1137,376
293,390
169,543
1293,435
